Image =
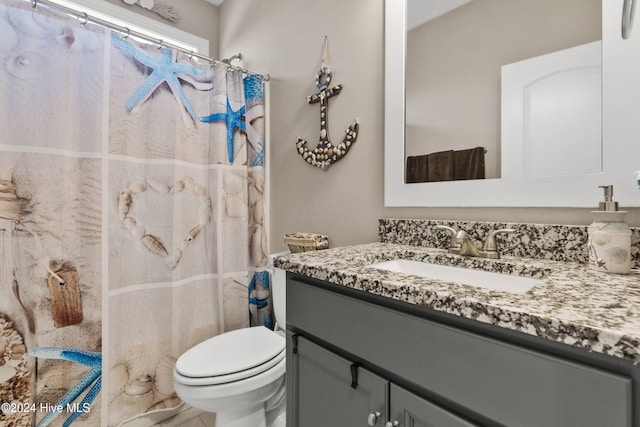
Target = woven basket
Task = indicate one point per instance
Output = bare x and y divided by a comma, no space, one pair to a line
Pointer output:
304,242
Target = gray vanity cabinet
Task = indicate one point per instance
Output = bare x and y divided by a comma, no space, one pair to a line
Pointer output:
410,410
435,370
331,390
325,393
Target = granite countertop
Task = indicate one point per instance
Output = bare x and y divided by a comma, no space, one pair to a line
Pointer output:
572,304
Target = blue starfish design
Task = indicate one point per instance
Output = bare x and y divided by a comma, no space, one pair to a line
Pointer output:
259,160
233,120
94,376
165,69
254,97
253,92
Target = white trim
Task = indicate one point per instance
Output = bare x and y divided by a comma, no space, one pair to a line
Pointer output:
123,17
620,129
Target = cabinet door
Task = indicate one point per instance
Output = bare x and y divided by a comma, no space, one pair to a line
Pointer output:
409,410
512,385
325,396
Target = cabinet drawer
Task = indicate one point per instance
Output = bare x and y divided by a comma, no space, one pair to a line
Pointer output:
512,385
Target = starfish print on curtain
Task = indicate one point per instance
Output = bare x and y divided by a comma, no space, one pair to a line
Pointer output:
233,120
254,98
165,69
94,376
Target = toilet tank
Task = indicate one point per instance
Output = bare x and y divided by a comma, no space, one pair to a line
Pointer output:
279,291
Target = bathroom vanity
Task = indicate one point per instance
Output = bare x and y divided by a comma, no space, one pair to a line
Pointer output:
372,347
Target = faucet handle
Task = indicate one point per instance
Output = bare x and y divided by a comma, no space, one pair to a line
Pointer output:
451,231
490,242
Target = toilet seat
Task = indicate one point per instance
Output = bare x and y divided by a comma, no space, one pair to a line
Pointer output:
230,357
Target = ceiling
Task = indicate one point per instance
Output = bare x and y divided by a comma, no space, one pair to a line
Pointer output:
422,11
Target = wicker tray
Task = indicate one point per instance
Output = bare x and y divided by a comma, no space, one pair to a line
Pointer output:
304,242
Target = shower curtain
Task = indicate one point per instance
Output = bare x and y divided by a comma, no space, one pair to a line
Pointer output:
132,217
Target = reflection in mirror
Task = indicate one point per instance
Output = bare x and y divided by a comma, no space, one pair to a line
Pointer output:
470,115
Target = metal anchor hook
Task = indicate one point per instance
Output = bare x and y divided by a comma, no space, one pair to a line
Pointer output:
325,153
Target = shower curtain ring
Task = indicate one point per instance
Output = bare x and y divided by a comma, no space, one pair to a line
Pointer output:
34,4
160,44
86,19
126,36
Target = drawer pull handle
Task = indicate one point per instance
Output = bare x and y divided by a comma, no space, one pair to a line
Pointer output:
354,375
373,418
392,424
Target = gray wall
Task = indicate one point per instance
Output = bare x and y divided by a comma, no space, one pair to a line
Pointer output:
196,17
285,39
459,55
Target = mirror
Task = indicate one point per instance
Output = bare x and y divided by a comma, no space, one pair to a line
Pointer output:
578,189
472,64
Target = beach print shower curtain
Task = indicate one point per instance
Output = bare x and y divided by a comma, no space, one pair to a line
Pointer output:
132,221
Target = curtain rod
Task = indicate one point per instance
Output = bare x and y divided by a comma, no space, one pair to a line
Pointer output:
128,32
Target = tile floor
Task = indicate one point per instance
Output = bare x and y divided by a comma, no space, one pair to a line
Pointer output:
190,418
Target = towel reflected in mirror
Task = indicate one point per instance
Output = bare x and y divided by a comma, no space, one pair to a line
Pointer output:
450,165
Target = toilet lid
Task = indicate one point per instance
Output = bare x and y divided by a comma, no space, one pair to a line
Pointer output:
231,352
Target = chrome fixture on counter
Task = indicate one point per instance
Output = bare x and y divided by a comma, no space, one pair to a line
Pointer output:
463,244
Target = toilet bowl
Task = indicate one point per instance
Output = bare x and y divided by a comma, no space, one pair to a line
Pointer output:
239,375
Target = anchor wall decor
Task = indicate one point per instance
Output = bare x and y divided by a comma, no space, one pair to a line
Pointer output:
325,153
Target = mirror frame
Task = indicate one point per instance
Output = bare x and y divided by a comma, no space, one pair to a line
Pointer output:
562,191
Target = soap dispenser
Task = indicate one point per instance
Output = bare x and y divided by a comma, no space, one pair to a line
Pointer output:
609,237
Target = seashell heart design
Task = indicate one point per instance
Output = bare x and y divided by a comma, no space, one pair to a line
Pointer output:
138,230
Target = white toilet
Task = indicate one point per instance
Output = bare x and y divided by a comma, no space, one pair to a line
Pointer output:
239,375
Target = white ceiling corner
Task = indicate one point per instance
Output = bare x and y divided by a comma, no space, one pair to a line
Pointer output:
421,11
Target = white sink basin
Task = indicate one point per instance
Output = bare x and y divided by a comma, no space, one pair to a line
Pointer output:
465,276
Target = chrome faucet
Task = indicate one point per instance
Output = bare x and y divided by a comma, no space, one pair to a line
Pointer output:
463,244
